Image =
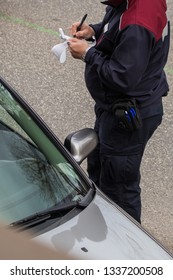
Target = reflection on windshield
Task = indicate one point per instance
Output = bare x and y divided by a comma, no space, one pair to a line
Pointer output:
34,174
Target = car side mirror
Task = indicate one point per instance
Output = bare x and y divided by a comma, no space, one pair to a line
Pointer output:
81,143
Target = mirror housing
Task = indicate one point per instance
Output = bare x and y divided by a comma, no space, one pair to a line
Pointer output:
81,143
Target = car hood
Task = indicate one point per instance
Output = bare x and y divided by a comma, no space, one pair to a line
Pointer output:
102,231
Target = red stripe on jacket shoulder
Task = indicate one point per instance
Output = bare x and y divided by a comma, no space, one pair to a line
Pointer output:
150,14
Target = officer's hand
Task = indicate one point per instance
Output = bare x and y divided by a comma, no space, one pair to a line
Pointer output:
86,31
77,47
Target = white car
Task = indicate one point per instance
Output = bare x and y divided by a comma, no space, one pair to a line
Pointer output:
44,190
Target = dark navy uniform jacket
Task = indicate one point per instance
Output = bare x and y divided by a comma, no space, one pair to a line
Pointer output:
130,54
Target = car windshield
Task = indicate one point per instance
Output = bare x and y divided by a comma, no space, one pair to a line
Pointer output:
34,175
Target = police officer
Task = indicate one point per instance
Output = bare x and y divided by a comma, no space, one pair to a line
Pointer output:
124,75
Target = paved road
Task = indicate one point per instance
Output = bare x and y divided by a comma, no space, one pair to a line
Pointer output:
28,31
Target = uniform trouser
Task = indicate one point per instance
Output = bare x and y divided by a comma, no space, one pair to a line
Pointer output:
115,164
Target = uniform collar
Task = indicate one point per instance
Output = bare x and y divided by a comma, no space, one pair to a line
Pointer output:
113,3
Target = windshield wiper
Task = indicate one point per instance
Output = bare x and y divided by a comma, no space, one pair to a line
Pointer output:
54,211
47,214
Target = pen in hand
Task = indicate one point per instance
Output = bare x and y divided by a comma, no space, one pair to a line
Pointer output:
82,21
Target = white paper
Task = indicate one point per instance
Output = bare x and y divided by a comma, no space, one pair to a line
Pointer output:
60,51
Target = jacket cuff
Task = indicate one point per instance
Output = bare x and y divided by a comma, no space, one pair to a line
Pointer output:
88,54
